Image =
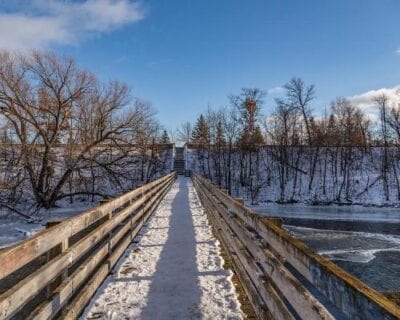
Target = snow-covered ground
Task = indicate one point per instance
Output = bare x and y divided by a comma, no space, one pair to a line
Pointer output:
274,181
14,229
174,271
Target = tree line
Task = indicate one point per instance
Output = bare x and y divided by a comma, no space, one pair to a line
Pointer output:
293,155
65,135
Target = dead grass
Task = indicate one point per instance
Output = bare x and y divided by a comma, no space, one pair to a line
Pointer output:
245,304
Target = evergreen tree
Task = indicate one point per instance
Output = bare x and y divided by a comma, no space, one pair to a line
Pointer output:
201,132
257,137
165,138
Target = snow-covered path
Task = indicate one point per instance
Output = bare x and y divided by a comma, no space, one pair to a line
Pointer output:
173,272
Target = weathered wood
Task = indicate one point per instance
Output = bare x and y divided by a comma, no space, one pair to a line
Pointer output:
14,298
15,257
394,296
53,253
240,200
251,291
76,306
258,306
356,299
67,288
86,293
307,305
263,295
274,220
61,295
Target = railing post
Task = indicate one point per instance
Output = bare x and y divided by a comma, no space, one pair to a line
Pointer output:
62,247
131,201
110,216
240,200
274,220
143,206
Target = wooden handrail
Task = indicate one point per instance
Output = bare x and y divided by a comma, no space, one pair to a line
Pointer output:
266,251
14,257
123,217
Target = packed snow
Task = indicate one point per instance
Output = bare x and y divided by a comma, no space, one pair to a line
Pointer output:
174,271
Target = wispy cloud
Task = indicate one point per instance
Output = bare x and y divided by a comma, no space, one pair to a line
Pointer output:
398,51
41,23
276,91
366,101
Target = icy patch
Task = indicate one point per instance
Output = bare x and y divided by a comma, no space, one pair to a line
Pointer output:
359,256
332,212
360,247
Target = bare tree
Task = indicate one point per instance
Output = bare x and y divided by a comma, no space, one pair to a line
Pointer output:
383,104
185,132
231,125
49,102
299,96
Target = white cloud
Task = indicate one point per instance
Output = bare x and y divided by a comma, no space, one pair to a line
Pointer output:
41,23
366,101
398,51
276,91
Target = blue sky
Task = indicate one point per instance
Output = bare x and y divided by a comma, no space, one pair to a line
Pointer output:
183,55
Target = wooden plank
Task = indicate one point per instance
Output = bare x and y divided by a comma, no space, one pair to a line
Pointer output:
67,288
61,295
77,305
250,290
259,309
13,299
356,300
240,200
53,253
263,294
74,309
15,257
394,296
274,220
87,292
305,304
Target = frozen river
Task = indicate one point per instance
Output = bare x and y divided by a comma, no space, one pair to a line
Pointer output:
363,241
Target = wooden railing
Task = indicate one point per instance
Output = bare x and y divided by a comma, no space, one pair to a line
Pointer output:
280,275
55,273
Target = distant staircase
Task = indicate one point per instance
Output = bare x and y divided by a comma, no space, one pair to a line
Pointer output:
179,161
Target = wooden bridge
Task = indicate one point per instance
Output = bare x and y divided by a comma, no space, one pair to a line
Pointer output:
56,273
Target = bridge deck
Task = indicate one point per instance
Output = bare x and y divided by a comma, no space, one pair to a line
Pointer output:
174,271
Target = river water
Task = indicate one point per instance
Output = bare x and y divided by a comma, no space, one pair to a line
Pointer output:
363,241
